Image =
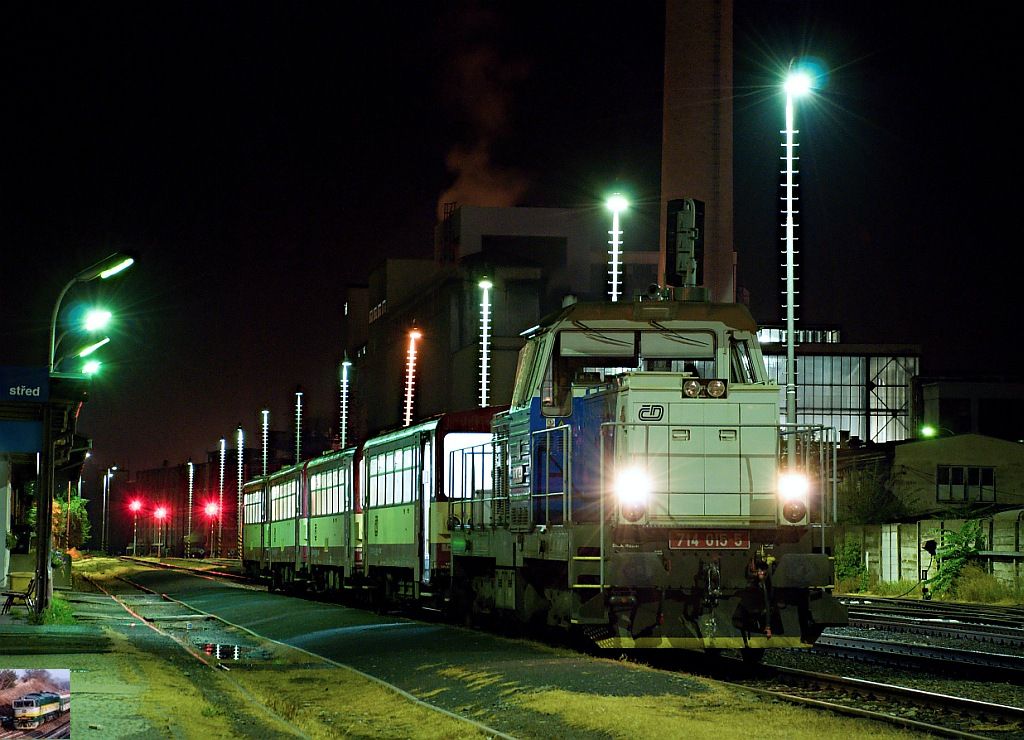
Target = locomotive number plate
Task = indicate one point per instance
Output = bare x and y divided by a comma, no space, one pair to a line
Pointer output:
705,539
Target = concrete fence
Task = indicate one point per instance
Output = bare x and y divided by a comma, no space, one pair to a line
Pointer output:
895,552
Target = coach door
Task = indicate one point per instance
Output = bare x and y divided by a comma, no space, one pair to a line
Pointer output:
426,491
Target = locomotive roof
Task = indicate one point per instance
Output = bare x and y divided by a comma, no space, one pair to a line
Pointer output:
734,315
37,695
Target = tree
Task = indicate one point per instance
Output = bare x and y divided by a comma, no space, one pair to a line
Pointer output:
79,532
866,496
7,678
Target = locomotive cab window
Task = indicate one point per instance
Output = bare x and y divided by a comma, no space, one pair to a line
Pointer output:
690,352
742,368
584,358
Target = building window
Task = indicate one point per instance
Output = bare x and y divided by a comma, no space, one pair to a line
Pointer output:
965,483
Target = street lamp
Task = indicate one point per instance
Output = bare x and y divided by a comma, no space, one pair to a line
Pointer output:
95,319
928,431
160,514
107,478
796,85
83,352
135,507
103,269
616,204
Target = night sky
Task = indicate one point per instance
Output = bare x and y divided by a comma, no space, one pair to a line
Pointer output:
256,157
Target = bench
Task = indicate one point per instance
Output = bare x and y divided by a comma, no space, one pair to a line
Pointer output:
26,597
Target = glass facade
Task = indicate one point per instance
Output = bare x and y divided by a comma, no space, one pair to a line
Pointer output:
863,396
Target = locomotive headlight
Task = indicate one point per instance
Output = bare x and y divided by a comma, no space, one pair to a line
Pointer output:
691,388
793,486
716,388
793,490
633,487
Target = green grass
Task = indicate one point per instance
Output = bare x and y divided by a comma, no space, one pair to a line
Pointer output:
974,584
58,612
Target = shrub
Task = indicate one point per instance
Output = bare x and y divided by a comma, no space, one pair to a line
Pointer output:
973,583
851,575
953,552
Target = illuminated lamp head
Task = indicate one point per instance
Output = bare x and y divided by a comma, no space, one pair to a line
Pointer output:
415,334
96,319
617,203
793,490
633,488
135,506
797,84
91,367
211,510
161,512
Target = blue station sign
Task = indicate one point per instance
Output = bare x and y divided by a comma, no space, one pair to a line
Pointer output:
26,384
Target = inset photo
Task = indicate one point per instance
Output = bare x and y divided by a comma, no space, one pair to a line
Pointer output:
34,701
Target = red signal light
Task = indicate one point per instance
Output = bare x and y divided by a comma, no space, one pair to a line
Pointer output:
135,506
160,513
211,510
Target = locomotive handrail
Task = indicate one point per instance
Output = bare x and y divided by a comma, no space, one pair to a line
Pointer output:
566,492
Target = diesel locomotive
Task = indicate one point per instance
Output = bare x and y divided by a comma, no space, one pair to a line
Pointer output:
37,708
635,489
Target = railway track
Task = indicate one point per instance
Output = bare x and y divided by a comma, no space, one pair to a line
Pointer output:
923,711
929,712
222,656
966,664
55,728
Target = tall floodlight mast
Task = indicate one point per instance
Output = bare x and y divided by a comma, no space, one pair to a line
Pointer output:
298,427
485,340
266,438
240,440
191,481
797,84
220,496
616,204
410,376
343,421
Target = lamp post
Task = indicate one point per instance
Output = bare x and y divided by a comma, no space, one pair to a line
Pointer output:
797,84
135,507
103,269
107,478
44,505
191,480
616,204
